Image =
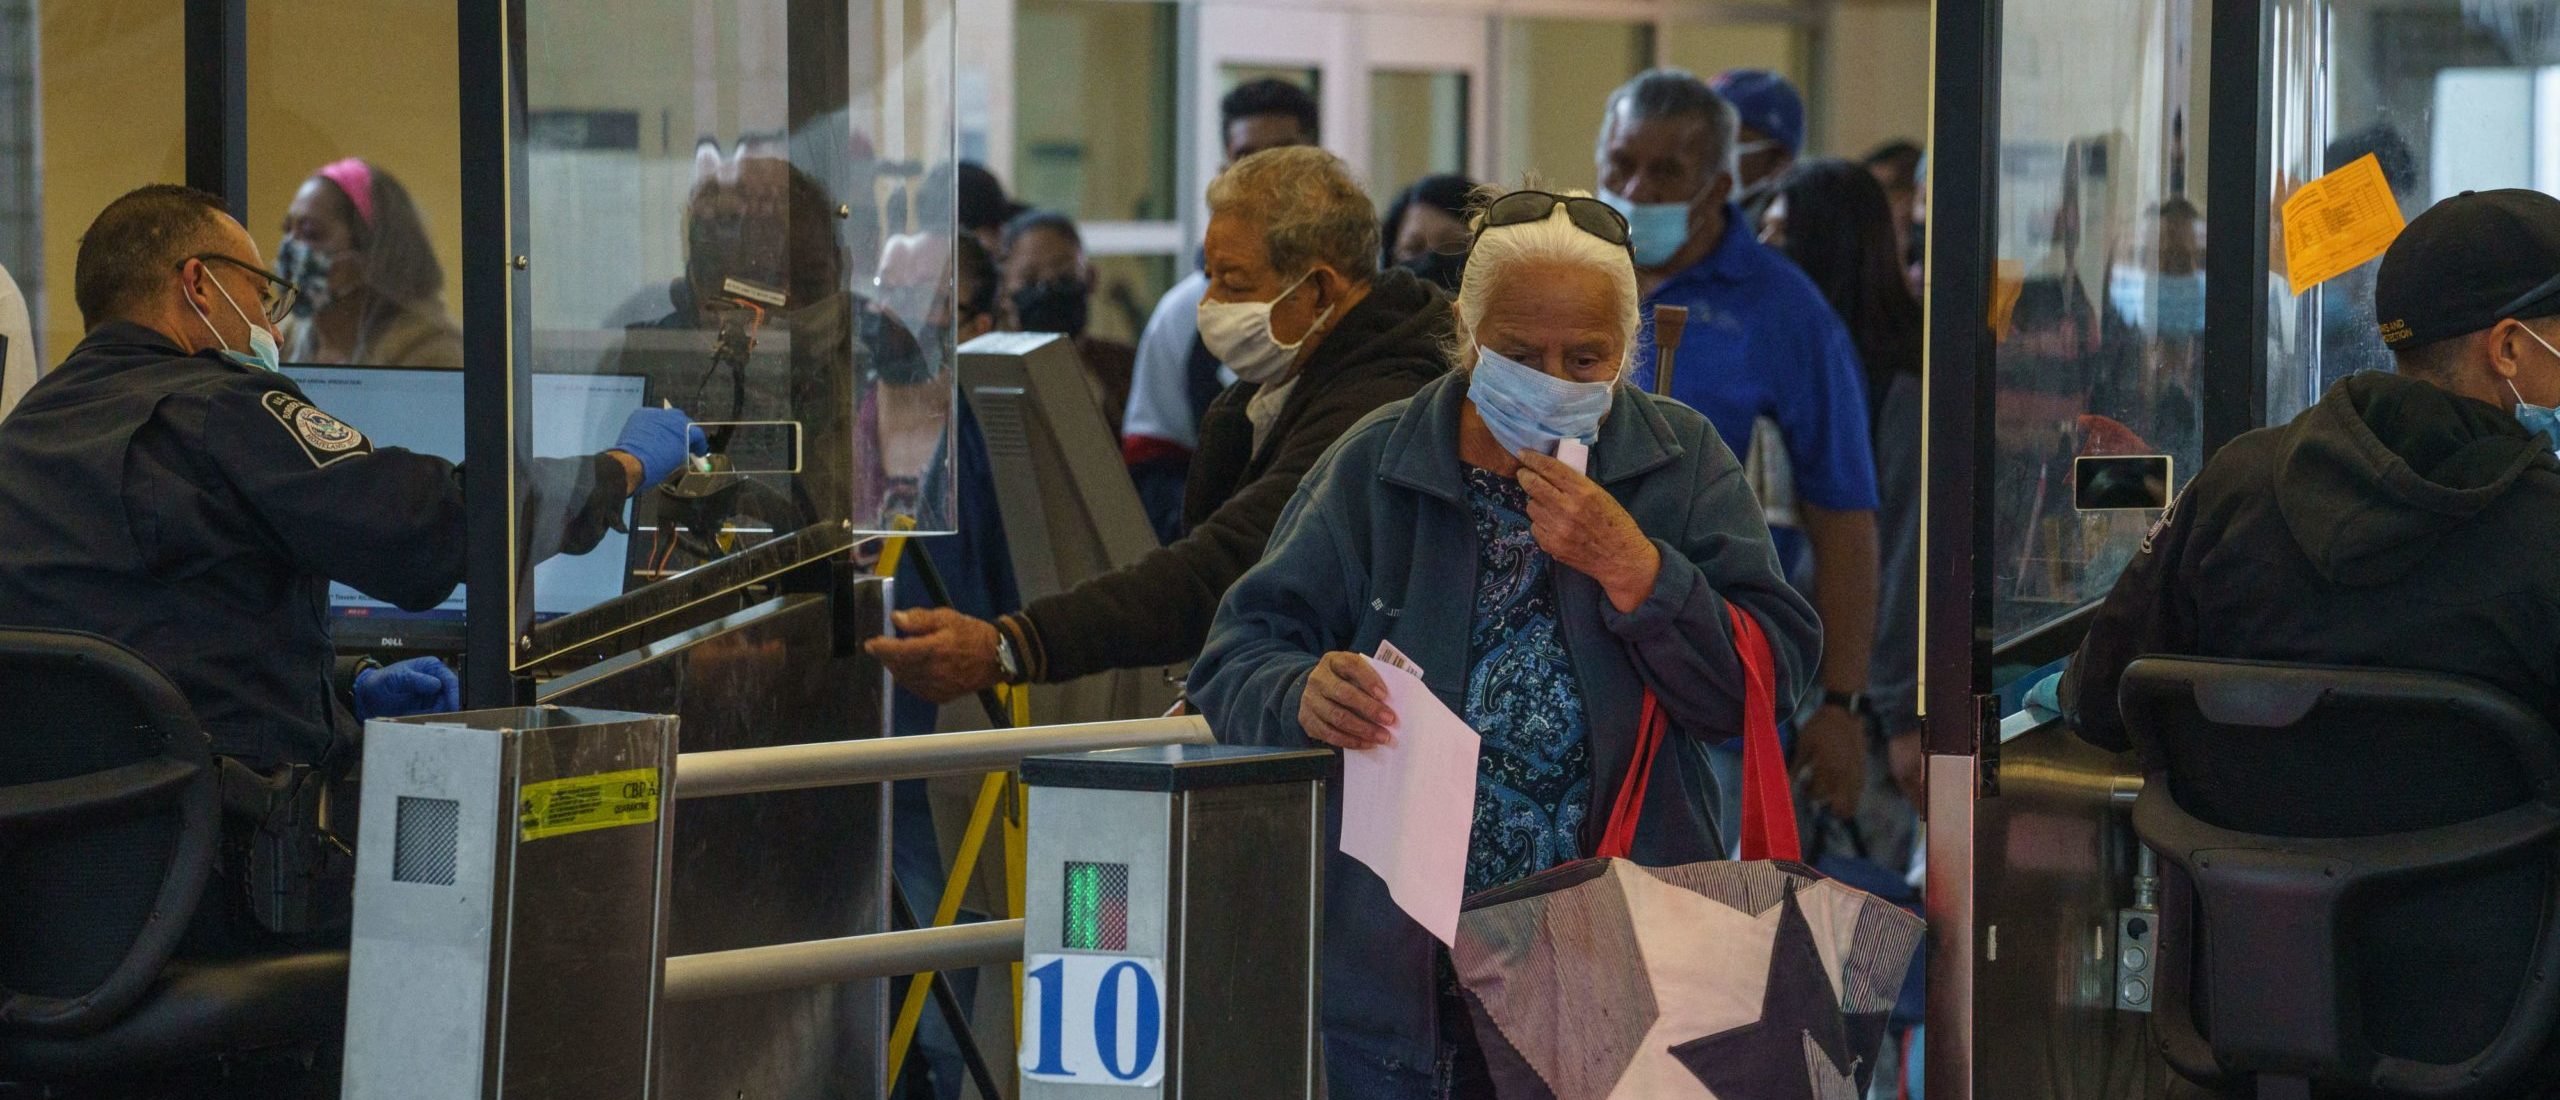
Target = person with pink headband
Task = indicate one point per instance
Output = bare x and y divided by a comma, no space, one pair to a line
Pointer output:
371,289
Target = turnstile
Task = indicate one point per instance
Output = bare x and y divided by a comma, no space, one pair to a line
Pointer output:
1173,922
511,871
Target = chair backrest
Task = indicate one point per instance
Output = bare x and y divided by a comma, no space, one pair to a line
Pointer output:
109,812
2360,885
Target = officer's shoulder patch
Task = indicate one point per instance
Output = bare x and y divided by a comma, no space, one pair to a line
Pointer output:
322,437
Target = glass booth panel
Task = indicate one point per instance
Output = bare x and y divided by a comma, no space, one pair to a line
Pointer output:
2098,298
356,195
91,67
743,209
2446,95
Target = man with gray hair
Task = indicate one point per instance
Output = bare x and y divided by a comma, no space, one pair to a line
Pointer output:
1764,347
1318,337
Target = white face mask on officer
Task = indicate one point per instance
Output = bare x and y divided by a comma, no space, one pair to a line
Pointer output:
1239,334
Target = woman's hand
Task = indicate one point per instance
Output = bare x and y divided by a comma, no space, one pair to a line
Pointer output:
1581,526
1345,703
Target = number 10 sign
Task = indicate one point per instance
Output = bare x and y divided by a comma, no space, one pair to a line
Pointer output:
1093,1020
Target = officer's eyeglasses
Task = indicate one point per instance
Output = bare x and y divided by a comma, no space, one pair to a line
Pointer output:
275,292
1589,215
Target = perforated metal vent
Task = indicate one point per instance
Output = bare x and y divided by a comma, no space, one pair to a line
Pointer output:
426,841
1000,421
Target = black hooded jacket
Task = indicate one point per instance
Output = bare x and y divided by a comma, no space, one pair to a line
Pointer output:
2395,524
1157,611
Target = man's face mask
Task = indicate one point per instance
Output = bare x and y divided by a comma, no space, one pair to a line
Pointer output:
1053,305
2538,418
1655,230
262,352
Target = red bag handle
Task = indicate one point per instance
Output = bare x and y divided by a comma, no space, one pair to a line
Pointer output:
1768,806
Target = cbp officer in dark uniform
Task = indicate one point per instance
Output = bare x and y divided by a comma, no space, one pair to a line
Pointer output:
165,487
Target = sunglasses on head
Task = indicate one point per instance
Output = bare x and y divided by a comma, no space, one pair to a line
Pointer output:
1588,215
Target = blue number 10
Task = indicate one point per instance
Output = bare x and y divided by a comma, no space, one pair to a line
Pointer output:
1106,1021
1053,996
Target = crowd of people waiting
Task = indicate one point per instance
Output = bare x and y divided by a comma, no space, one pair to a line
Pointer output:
1330,397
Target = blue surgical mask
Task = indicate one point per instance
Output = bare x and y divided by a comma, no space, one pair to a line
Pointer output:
1528,409
2538,418
262,354
2170,305
1655,230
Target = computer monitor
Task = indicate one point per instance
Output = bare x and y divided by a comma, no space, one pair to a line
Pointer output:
420,409
1070,510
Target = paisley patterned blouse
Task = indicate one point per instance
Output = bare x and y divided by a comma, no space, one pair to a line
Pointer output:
1533,781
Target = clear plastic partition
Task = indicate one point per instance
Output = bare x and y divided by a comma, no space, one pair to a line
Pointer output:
2098,300
743,210
2447,95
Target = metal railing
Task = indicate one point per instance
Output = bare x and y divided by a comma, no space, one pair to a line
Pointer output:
852,958
847,763
925,756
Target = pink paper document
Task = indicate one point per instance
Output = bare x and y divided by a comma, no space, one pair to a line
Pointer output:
1407,807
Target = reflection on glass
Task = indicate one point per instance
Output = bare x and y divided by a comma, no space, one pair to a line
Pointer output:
2101,244
369,286
749,214
355,182
1417,127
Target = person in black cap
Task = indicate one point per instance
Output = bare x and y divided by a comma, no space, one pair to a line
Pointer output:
2414,504
2405,521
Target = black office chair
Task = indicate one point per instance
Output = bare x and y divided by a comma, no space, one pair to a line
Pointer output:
2362,890
109,817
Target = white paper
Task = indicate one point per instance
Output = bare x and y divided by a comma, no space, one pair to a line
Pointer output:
1574,453
1407,807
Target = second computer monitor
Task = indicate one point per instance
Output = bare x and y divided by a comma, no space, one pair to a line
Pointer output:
420,409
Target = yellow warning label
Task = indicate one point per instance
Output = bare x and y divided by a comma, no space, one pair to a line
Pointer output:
558,807
2335,223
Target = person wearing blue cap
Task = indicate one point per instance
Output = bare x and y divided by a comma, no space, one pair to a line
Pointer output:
1769,117
1763,348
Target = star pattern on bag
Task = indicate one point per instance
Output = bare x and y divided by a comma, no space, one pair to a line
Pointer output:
1802,1044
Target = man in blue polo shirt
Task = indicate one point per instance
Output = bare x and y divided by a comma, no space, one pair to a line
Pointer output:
1760,344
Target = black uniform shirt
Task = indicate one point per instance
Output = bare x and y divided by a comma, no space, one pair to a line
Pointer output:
195,509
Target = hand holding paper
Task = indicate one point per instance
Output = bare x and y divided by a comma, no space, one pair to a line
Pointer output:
1408,805
1345,704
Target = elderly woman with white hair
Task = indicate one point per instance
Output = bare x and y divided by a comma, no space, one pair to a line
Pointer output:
1542,602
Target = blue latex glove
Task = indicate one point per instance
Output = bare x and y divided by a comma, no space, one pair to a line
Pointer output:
419,685
2044,700
660,439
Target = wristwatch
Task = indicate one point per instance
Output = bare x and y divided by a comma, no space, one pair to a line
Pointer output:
1855,702
1008,663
